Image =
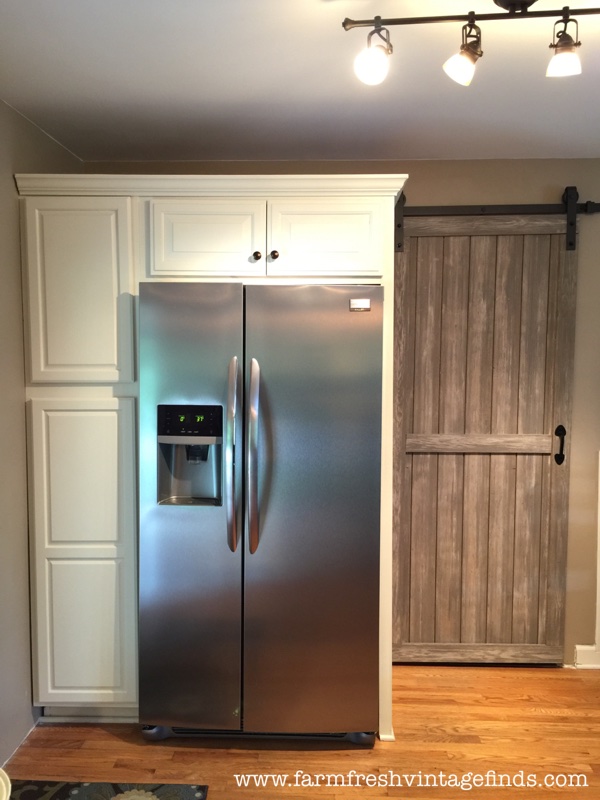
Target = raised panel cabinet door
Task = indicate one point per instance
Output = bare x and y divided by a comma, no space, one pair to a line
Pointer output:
77,275
82,512
329,236
208,236
485,322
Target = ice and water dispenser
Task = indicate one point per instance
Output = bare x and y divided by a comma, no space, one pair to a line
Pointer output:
190,443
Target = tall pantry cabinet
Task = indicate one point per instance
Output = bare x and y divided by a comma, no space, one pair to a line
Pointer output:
78,286
88,240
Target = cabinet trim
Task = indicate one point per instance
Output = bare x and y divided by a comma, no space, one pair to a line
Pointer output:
210,185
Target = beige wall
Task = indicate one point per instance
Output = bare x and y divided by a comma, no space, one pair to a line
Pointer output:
24,149
503,182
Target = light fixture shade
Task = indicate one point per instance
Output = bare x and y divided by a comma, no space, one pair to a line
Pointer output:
372,64
564,63
461,67
565,60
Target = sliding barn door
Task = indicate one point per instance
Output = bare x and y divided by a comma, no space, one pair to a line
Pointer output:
485,316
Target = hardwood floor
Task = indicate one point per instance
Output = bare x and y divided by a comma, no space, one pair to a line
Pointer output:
449,722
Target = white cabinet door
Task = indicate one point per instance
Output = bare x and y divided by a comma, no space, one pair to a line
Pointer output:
328,236
208,236
83,550
77,270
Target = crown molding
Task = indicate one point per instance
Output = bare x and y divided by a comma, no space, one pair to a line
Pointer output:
209,185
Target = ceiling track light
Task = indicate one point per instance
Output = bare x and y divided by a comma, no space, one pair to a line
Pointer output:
371,64
461,66
565,60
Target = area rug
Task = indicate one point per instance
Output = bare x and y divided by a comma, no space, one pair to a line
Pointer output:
50,790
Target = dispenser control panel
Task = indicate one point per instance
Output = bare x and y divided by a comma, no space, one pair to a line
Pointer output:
190,421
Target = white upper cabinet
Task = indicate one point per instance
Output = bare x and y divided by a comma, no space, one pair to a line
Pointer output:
77,276
282,237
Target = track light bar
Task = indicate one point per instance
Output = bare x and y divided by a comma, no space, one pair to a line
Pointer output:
349,24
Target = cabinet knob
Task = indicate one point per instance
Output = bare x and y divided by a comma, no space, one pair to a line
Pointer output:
257,255
274,254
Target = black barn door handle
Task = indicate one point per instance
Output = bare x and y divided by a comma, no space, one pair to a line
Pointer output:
561,432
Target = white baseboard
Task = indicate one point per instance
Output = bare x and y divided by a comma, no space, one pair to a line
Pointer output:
587,656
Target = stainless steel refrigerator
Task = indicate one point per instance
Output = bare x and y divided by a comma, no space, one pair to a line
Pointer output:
260,434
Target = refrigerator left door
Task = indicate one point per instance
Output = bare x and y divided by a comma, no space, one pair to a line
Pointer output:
190,598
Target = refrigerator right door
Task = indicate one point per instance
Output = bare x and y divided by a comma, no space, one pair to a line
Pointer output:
311,583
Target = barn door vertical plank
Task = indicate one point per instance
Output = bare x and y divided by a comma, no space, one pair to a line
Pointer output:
528,512
551,376
453,363
507,318
425,420
478,409
405,279
563,399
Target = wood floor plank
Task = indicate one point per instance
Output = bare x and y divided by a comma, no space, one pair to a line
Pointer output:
450,720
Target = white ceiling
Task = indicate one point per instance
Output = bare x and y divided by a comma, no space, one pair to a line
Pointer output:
169,80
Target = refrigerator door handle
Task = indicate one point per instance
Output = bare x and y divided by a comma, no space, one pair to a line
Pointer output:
230,504
252,452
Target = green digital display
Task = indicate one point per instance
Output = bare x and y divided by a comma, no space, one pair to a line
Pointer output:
192,420
195,417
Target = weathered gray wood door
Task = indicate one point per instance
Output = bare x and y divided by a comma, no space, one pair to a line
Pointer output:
485,317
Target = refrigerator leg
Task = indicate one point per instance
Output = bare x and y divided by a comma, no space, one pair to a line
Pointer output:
363,739
155,733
